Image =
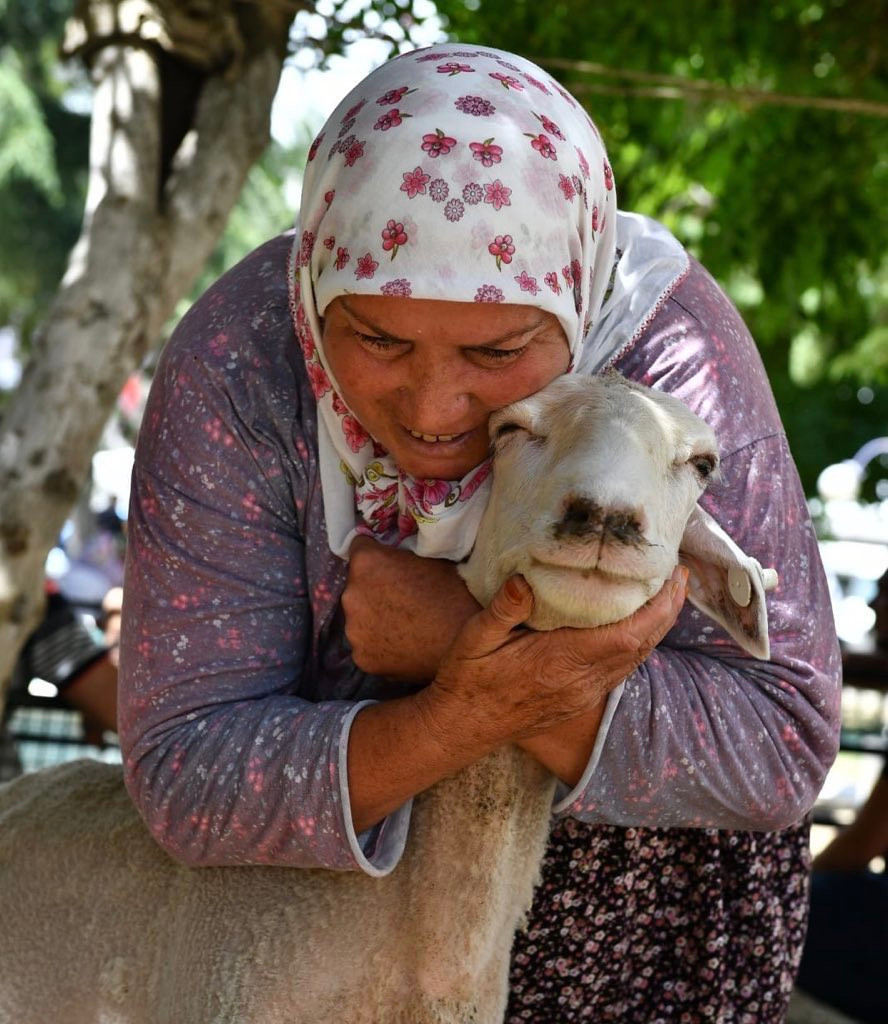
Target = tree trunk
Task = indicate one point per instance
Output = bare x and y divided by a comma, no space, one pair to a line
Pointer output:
147,231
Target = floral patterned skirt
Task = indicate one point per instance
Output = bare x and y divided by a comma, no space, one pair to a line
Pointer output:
647,926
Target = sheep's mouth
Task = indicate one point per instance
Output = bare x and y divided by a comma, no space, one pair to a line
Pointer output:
586,572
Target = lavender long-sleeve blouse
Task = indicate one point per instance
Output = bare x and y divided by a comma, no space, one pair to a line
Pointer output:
237,689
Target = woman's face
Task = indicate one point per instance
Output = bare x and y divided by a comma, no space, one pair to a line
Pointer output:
424,376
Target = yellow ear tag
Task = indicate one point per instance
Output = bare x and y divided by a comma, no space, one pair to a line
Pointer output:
739,586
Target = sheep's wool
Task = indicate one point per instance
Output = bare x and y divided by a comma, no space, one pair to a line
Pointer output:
453,173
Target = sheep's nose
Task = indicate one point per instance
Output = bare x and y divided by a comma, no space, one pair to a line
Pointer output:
583,517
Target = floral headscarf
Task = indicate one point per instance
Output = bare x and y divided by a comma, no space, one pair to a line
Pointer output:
458,174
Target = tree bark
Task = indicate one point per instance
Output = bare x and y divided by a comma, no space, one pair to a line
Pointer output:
147,231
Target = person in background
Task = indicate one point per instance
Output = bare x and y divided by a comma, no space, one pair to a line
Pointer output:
843,963
82,665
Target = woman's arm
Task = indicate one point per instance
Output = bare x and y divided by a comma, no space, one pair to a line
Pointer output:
235,708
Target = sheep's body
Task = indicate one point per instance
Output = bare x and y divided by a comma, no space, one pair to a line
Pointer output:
99,925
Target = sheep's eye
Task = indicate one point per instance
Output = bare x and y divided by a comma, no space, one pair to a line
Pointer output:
704,464
506,428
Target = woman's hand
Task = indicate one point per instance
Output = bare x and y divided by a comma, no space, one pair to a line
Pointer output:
499,683
402,612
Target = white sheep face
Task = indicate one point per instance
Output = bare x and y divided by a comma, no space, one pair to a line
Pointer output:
594,481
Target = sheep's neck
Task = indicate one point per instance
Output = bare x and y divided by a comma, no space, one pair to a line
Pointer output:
481,836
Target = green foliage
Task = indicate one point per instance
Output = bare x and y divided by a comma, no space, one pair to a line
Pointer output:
43,160
27,148
783,203
262,211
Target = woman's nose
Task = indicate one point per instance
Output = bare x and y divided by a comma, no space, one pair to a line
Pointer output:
436,399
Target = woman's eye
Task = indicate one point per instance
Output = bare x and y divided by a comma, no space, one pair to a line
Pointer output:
498,355
375,341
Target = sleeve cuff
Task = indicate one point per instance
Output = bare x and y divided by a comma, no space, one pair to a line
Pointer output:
564,796
377,850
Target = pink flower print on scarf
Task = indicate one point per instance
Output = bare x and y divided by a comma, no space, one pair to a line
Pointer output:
383,519
354,153
542,144
550,126
415,182
315,146
329,196
399,286
393,236
354,111
489,293
454,210
566,96
552,281
566,186
439,190
390,119
472,193
383,502
527,283
330,242
453,69
305,248
497,195
317,376
474,482
594,218
437,144
355,434
507,81
536,83
486,152
342,258
394,96
477,106
503,248
423,495
303,333
584,163
366,266
608,177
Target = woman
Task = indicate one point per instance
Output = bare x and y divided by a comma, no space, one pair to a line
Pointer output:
299,657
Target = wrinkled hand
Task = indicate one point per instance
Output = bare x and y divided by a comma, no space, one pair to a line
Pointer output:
509,684
402,612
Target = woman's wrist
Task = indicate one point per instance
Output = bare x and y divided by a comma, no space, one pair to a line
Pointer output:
400,747
565,749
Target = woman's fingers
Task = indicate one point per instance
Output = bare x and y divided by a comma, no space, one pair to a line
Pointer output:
638,634
490,628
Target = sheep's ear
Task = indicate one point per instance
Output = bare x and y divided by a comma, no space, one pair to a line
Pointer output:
726,583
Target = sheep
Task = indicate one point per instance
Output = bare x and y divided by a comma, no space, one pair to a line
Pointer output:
100,925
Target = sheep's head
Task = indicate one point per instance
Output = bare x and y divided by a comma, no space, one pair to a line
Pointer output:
594,501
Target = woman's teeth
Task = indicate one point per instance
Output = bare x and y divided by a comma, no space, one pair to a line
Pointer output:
432,437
